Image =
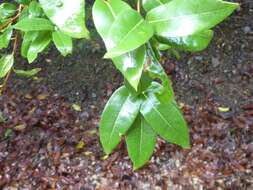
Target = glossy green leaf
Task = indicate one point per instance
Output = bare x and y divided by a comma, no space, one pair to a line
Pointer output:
38,45
67,15
165,119
27,40
62,42
35,9
117,117
151,4
186,17
104,14
6,63
128,32
27,73
193,43
129,64
7,10
34,24
140,140
5,37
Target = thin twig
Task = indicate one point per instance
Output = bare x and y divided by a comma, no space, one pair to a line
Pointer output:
15,45
139,6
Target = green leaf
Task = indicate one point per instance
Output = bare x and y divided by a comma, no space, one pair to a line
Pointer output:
27,73
62,42
34,24
6,63
140,140
38,45
104,14
27,40
186,17
5,37
151,4
193,43
117,117
67,15
35,9
128,32
165,119
7,10
131,65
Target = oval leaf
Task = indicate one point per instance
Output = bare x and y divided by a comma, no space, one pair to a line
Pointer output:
38,45
34,24
186,17
5,37
128,32
67,15
166,120
104,14
62,42
140,140
6,63
118,115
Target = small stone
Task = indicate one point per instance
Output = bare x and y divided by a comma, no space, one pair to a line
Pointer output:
215,61
247,29
93,95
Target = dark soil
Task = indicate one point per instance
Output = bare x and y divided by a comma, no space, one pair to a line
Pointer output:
46,144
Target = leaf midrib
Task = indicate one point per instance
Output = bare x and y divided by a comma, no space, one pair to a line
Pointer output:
153,107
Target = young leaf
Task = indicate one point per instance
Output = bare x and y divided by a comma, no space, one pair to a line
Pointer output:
186,17
7,10
67,15
151,4
140,140
6,63
34,24
117,117
27,73
62,42
128,32
166,120
5,37
193,43
38,45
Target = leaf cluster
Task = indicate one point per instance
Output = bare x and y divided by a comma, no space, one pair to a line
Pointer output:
144,107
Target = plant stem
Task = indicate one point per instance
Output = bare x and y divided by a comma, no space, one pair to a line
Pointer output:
139,6
15,45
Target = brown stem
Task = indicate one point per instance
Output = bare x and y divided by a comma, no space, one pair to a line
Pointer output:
15,45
